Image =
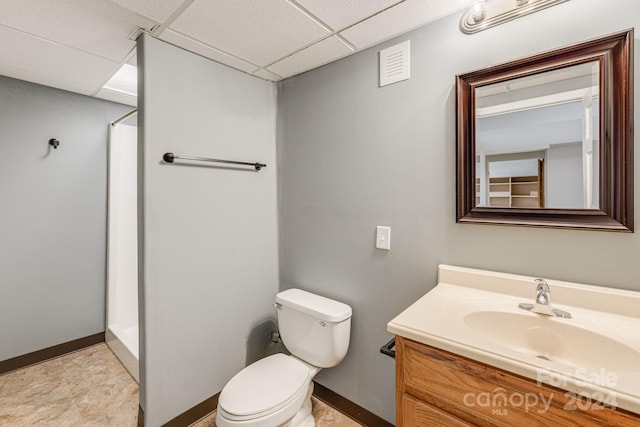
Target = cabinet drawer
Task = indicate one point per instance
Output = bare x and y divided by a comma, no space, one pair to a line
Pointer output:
418,414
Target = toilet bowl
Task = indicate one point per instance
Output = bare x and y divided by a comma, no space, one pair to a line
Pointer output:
276,391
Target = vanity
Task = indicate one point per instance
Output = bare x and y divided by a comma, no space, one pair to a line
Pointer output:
467,354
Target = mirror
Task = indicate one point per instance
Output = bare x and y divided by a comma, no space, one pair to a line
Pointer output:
535,139
547,140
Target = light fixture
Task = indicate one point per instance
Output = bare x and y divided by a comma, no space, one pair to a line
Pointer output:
485,14
478,11
125,80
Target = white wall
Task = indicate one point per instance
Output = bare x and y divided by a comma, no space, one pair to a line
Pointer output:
386,156
209,259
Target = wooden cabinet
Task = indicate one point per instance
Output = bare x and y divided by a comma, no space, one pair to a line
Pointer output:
438,388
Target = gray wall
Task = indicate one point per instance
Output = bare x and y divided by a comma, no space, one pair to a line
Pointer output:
563,183
209,259
353,156
53,213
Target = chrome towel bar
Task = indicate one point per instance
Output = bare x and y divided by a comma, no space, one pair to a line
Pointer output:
170,157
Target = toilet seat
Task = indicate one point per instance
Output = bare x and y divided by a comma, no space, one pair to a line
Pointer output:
264,387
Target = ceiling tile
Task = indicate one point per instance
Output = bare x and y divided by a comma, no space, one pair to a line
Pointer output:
44,79
120,97
158,10
206,51
400,19
93,26
318,54
341,14
267,75
260,32
25,52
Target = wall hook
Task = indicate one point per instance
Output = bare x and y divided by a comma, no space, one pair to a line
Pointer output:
54,143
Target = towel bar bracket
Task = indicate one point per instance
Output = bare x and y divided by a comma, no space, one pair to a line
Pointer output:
389,348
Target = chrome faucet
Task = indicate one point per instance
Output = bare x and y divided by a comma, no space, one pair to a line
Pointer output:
543,302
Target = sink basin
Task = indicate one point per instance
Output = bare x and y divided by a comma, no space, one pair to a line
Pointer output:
553,340
475,314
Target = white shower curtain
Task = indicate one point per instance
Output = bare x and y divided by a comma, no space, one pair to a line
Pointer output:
122,264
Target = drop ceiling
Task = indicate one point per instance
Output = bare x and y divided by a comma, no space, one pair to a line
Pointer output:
78,45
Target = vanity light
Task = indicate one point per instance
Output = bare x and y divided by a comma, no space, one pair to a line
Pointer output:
485,14
478,11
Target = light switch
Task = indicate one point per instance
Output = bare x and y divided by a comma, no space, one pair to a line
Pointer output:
383,238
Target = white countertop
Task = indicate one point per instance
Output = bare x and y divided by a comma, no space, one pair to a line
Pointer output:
475,314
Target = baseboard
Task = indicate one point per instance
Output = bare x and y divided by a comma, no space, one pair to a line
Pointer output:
189,416
194,414
347,407
29,359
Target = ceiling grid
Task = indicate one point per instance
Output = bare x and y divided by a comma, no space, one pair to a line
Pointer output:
78,45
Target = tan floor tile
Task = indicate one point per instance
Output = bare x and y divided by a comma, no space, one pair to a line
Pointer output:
47,373
91,366
100,388
114,402
53,413
208,421
39,403
326,416
86,388
34,389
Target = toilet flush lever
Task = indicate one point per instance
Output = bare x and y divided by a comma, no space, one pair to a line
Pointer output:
277,305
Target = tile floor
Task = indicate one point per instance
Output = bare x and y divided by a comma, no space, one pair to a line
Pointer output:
91,388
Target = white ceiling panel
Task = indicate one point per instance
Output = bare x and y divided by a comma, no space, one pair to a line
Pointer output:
44,79
341,14
400,19
120,97
267,75
206,51
93,26
26,52
158,10
261,32
318,54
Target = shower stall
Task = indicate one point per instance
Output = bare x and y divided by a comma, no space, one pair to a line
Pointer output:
122,245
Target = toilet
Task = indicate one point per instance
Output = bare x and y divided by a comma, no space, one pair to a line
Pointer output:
276,391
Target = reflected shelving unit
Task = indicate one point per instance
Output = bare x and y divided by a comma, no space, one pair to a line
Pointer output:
514,192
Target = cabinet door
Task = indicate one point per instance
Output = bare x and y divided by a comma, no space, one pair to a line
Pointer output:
420,414
429,379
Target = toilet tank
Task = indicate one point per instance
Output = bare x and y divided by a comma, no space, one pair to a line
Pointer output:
314,328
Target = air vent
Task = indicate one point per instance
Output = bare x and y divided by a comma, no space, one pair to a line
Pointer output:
394,64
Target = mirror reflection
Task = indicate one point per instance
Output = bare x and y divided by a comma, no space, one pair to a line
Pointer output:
537,140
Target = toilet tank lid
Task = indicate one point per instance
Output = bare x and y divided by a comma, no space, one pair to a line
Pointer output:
314,305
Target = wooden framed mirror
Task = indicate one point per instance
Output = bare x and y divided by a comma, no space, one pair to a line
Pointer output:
547,141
